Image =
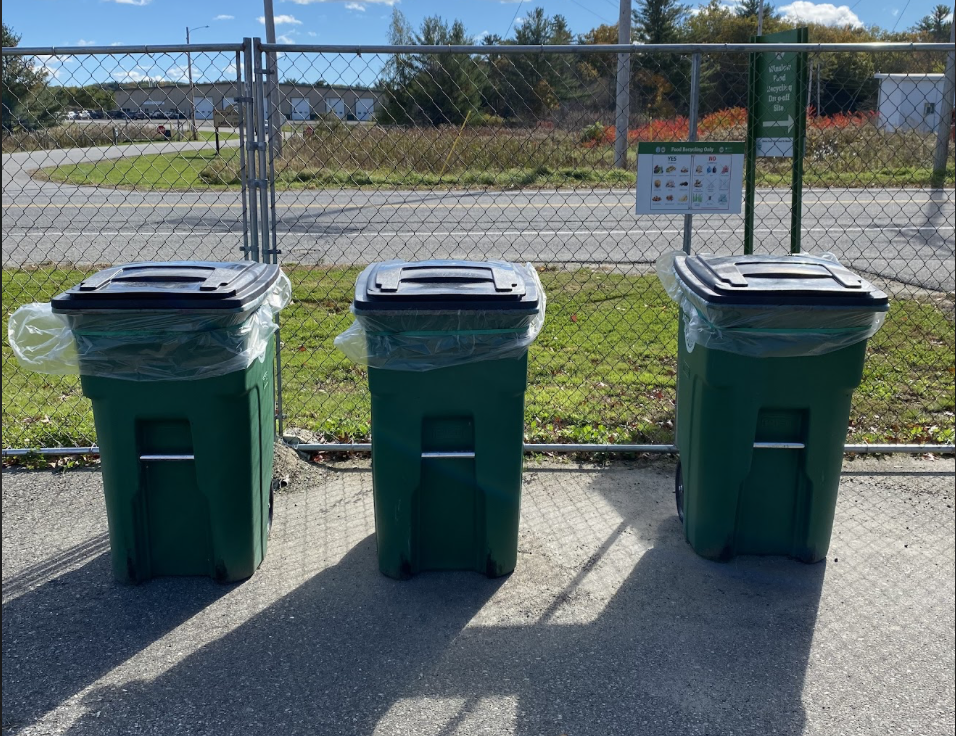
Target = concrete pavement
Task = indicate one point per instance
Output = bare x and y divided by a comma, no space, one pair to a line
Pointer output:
609,625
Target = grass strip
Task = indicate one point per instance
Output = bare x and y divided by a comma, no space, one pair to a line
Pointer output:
602,370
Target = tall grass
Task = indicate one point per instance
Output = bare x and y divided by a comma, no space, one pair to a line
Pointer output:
841,150
84,135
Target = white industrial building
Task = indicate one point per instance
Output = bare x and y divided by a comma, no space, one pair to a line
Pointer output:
910,101
296,101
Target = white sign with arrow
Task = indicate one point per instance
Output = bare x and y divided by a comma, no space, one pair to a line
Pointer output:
788,123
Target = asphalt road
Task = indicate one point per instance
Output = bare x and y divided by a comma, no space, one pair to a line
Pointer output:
902,234
610,625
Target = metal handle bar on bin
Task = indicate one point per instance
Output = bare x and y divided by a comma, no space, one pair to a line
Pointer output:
449,454
166,458
779,446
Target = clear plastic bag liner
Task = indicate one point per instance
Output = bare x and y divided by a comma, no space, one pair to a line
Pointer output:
419,340
158,345
766,331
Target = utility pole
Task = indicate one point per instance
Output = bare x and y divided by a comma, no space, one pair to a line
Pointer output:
945,112
275,122
623,105
760,18
192,90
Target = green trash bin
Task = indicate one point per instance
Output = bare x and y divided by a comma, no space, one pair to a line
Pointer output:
177,359
770,350
446,345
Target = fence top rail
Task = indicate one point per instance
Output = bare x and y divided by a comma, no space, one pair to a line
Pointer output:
192,48
634,48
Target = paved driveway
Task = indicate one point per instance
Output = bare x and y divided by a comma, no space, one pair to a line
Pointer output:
609,625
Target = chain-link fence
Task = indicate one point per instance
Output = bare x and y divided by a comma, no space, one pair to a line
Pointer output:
481,152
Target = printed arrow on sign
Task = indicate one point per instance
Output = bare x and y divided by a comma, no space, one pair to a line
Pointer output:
788,122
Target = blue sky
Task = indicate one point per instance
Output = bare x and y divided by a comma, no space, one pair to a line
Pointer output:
105,22
62,23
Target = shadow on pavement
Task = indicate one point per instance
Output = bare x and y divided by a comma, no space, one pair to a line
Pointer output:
330,657
63,635
676,645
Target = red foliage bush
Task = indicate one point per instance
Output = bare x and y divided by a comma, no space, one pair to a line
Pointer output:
676,129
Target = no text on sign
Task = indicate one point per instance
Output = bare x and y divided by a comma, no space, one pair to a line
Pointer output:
228,118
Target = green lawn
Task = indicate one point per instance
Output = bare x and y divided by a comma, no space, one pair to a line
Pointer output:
603,369
164,171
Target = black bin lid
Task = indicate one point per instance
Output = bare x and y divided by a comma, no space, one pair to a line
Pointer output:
200,285
446,285
777,280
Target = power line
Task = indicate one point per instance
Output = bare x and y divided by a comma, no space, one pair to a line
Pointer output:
900,16
517,10
596,15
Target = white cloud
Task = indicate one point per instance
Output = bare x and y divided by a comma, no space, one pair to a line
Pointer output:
284,39
355,6
52,65
139,3
823,13
313,34
135,76
364,2
177,73
225,17
84,42
117,43
287,20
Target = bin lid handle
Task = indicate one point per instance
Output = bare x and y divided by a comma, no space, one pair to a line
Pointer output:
505,279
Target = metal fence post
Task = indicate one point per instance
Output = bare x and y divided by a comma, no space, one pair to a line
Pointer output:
692,116
261,180
249,122
623,103
243,109
265,184
945,113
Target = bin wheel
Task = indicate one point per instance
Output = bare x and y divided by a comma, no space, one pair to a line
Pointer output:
679,491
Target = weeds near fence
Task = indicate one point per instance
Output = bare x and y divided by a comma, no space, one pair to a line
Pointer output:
85,135
842,150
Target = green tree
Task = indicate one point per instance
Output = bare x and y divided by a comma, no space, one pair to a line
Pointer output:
434,89
658,21
27,102
750,8
597,73
662,81
91,97
935,27
531,85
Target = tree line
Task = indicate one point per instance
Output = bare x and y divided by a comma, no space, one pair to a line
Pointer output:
501,88
440,89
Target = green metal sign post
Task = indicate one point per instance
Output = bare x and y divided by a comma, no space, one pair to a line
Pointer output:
777,123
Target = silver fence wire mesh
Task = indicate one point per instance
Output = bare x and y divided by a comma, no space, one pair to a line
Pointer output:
362,155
